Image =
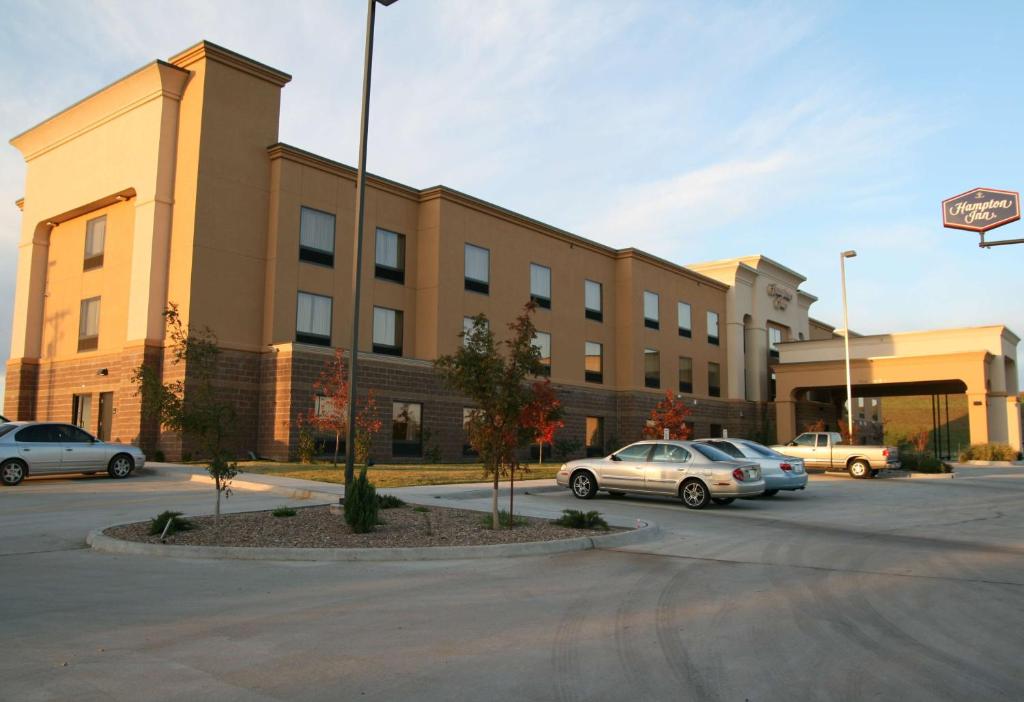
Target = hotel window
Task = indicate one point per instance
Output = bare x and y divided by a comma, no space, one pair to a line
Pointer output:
390,256
540,285
594,362
774,339
467,326
542,340
685,374
467,415
95,242
89,324
592,302
685,321
313,319
387,331
595,436
478,269
713,328
652,368
651,310
716,432
406,429
316,237
714,380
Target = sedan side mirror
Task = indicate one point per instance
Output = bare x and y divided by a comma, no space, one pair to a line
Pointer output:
791,443
613,457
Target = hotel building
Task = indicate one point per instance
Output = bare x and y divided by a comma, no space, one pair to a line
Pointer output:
170,186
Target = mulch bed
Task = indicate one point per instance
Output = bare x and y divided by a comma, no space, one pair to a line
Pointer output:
316,527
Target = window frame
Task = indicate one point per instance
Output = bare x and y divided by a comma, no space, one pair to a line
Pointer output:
687,331
591,376
309,337
593,450
96,259
541,300
647,378
655,322
87,342
546,370
596,315
394,349
714,339
383,271
685,386
418,444
474,284
313,254
715,390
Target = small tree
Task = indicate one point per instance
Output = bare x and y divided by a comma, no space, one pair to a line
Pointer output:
192,407
331,416
543,415
496,377
670,413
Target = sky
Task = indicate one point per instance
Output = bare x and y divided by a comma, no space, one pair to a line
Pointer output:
694,131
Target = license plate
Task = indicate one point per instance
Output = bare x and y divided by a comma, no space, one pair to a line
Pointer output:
751,474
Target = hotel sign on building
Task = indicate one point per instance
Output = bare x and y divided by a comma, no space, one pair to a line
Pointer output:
981,209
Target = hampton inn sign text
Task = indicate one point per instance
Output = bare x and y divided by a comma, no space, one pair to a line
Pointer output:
981,209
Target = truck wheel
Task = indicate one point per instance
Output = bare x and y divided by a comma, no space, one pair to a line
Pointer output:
860,469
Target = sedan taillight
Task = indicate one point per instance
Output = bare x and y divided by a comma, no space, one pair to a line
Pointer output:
885,452
738,474
786,466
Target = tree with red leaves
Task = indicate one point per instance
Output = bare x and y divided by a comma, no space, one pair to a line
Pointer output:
670,413
543,415
331,416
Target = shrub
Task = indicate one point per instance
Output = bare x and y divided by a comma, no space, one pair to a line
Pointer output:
989,452
504,519
576,519
361,505
159,456
307,445
178,523
567,448
420,508
284,511
389,502
930,464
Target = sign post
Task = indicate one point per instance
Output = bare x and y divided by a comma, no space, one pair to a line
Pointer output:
980,210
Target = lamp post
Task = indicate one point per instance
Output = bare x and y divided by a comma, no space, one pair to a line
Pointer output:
357,246
846,341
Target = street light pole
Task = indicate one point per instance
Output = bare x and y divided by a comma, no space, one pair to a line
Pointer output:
846,341
357,246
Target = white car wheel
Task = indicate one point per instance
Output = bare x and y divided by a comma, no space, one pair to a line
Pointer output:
12,472
121,466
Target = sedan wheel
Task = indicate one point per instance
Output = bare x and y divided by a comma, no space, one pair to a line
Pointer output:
12,472
694,494
121,466
584,486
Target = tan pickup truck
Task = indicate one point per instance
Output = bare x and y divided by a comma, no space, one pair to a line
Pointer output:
824,449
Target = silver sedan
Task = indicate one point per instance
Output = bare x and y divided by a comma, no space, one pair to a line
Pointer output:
45,448
694,473
780,472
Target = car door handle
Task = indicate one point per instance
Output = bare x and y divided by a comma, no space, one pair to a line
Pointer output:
67,449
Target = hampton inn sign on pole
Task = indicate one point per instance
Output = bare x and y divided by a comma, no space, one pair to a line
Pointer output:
980,210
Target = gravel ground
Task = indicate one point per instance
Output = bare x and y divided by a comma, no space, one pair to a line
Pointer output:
316,527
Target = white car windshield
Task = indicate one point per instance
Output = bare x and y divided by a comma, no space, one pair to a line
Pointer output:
759,450
5,428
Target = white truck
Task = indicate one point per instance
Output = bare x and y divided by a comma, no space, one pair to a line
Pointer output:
826,450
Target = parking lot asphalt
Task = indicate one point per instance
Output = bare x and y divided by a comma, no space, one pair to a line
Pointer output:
883,589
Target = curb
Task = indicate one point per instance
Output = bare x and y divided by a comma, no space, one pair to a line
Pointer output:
106,544
908,475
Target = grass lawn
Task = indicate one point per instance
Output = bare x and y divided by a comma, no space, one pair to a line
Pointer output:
394,475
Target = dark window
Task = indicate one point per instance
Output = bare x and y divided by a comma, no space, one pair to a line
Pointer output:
593,303
39,434
478,269
714,380
316,236
710,452
716,431
313,319
636,452
387,331
725,446
390,256
684,320
406,429
542,340
74,435
540,285
685,374
593,362
652,368
89,324
95,242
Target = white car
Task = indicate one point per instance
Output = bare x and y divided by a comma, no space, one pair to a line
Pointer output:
46,448
780,472
695,473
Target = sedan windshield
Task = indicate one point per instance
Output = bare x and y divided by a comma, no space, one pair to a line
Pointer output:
5,428
712,453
